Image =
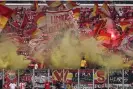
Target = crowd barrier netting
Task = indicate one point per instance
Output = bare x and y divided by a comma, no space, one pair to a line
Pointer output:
77,79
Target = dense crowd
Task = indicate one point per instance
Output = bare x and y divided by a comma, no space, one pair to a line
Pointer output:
117,13
23,22
15,23
16,27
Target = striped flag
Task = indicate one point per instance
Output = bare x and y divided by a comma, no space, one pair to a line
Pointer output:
36,32
36,4
104,36
40,17
98,27
87,24
76,13
31,31
5,14
131,31
105,10
54,3
95,11
71,4
124,25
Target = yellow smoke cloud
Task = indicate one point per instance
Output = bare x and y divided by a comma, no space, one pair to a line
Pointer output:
68,54
8,56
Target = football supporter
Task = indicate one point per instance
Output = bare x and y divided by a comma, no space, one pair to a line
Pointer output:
83,64
47,84
12,85
22,85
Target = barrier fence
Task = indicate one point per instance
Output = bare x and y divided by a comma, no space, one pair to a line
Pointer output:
77,79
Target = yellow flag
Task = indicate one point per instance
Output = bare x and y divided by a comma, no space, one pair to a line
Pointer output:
3,21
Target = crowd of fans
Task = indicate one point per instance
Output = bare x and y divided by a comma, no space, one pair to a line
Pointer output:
14,25
116,14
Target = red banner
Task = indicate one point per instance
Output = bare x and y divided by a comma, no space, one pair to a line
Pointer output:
100,77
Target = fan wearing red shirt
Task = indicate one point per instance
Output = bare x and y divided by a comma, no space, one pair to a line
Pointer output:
22,85
5,86
47,85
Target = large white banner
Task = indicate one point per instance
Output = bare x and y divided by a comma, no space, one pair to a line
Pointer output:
59,20
53,25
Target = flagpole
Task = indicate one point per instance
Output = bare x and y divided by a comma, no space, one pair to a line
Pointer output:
3,75
33,78
52,78
122,78
93,86
18,78
108,78
78,79
48,75
63,78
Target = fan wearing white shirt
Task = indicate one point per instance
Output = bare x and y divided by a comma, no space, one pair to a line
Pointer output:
36,66
120,12
12,85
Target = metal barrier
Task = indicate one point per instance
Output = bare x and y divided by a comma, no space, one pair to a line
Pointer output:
78,79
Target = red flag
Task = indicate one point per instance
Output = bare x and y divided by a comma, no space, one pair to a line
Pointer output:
103,35
25,21
124,25
95,11
15,24
5,11
30,31
76,13
131,31
36,4
107,45
105,10
39,17
98,27
5,14
87,24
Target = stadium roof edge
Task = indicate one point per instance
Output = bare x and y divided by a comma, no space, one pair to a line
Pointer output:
27,4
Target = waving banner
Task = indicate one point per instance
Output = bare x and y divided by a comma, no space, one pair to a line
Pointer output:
52,26
58,20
